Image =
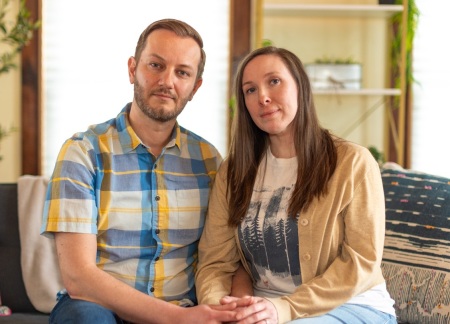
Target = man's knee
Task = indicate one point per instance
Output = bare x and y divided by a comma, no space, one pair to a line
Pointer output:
76,311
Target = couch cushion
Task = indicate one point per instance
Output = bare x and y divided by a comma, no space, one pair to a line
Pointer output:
40,269
25,318
12,288
416,259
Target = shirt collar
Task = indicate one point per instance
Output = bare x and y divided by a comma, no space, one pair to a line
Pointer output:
129,139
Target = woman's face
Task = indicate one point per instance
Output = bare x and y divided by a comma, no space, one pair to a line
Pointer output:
270,94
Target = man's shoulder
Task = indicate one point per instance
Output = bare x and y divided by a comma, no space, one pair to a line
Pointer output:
191,138
96,131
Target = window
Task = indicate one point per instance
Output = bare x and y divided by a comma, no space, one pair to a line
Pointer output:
86,45
431,108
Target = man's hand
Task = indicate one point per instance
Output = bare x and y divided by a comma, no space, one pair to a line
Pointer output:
210,314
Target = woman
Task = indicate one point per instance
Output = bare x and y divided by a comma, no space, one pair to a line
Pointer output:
301,209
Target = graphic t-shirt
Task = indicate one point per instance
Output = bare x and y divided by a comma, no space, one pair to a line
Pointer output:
268,235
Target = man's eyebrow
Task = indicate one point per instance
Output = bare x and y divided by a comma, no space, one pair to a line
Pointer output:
186,66
156,56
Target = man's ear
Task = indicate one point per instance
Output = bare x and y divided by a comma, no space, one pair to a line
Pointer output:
197,85
131,69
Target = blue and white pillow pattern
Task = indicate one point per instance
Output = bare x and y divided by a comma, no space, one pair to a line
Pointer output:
416,259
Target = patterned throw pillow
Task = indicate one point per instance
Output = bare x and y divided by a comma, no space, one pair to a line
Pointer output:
416,258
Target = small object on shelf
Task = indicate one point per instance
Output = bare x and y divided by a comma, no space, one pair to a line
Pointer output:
334,76
386,2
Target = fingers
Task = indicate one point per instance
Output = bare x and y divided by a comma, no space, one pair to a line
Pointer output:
246,301
227,299
224,307
262,311
240,302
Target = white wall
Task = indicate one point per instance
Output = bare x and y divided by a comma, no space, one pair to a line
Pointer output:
85,67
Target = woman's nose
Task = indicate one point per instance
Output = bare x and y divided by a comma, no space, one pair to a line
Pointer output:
264,99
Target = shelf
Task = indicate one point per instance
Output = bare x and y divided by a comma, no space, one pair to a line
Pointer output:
360,92
355,23
343,10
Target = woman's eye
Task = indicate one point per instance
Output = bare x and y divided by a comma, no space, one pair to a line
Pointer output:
249,90
275,81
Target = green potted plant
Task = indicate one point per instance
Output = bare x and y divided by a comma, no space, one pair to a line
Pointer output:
14,35
334,73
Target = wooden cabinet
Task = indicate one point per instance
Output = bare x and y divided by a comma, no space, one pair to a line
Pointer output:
361,32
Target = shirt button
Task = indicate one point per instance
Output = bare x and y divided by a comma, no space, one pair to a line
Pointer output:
157,198
306,257
157,258
304,222
157,231
152,289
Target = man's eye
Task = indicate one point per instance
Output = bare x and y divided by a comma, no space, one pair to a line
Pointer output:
155,65
184,73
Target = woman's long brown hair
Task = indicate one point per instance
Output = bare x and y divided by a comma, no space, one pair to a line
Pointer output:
315,146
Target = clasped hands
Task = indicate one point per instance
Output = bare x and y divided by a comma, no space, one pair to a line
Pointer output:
251,309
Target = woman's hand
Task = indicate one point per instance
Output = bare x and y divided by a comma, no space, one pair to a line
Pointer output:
251,309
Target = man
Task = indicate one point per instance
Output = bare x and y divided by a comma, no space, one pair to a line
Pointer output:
127,200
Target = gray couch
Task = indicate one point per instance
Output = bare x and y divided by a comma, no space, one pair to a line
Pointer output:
416,258
12,287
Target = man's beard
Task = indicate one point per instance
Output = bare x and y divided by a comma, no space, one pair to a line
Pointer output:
157,114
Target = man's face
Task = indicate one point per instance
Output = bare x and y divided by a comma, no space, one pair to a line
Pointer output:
165,78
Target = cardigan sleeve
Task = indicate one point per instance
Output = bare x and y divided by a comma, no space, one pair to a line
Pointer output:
218,251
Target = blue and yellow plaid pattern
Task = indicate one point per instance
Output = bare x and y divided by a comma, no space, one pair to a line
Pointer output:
148,213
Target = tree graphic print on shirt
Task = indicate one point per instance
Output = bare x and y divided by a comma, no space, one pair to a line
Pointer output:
269,239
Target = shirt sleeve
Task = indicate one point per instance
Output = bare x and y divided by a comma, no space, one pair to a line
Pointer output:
70,204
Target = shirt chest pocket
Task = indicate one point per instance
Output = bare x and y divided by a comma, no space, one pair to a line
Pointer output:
187,210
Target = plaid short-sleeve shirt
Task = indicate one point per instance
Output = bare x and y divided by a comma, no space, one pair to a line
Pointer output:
148,213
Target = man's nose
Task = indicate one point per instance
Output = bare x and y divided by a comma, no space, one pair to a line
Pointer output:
166,78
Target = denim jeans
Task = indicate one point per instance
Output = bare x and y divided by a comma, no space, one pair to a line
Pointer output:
350,314
76,311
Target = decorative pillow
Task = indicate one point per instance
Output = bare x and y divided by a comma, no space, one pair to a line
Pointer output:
416,258
39,261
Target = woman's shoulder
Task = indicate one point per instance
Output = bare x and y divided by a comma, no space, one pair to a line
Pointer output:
354,156
350,150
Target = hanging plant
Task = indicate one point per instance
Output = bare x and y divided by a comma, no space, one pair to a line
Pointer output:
15,34
4,132
396,48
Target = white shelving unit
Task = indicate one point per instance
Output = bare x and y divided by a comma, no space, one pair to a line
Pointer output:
361,92
338,10
342,10
287,14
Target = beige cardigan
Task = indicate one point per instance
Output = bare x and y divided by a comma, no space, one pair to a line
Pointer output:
341,239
